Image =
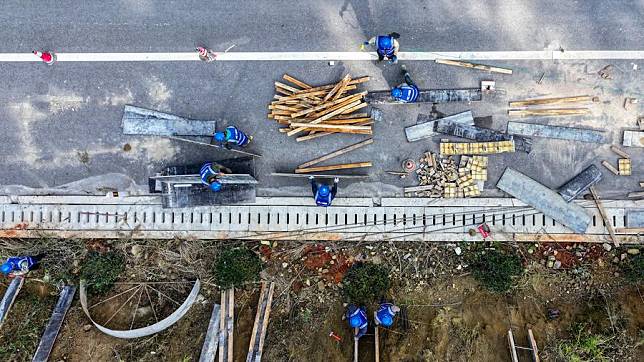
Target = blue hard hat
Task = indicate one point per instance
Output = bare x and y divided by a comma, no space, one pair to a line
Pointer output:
355,321
215,186
220,137
385,42
396,92
386,320
324,190
6,268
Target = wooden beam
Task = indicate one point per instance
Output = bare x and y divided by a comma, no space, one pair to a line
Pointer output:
543,101
610,167
486,68
604,216
335,107
287,87
298,83
334,127
282,174
327,116
211,341
322,134
513,350
55,322
343,166
337,153
619,152
548,112
629,230
330,86
337,87
533,346
231,322
327,104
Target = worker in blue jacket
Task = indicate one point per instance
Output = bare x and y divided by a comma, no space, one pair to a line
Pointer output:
385,314
357,318
232,135
20,265
406,92
386,46
210,173
322,193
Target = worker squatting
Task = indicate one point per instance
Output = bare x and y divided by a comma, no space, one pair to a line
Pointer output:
357,317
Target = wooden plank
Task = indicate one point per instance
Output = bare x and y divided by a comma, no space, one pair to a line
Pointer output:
327,105
223,334
55,322
337,87
377,342
215,146
9,297
337,153
230,322
298,83
486,68
327,116
604,216
629,230
267,313
619,152
330,86
258,315
287,87
513,350
548,112
322,134
211,341
355,108
533,346
610,167
550,101
335,127
418,188
343,166
309,94
349,99
282,174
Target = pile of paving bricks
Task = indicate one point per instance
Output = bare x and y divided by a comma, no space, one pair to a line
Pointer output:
444,177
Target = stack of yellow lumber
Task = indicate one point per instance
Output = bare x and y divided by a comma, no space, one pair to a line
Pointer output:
311,112
476,148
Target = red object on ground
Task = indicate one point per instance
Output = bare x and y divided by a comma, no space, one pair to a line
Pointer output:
484,230
335,336
46,57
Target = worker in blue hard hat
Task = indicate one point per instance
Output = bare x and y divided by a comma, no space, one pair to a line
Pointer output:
406,92
210,173
232,135
357,318
20,265
386,46
322,193
385,314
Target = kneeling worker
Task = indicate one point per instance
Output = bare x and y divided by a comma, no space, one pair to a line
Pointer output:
20,265
385,314
357,318
210,172
322,193
406,92
232,135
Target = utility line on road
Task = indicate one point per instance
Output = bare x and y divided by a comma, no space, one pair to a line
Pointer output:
336,56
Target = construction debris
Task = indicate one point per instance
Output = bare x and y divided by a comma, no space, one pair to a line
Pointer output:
443,177
557,132
480,134
580,183
320,111
476,148
619,151
633,139
624,166
486,68
426,130
545,200
610,168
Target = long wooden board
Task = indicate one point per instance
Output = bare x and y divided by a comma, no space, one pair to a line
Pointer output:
602,212
343,166
213,145
486,68
550,101
258,335
317,175
55,322
211,341
9,297
226,322
548,112
337,153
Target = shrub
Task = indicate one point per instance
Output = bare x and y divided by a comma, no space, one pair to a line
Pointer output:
237,266
633,268
101,271
495,269
583,346
365,282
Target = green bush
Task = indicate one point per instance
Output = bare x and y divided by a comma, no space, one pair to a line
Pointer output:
237,266
495,269
633,268
583,346
365,283
101,271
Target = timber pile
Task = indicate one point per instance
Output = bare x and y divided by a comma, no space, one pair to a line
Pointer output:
522,108
443,177
311,112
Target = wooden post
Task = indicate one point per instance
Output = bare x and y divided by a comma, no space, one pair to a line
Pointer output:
513,350
377,344
604,216
533,346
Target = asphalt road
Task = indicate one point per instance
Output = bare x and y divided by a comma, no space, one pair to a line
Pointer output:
62,123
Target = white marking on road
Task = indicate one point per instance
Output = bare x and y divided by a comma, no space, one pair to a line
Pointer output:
326,56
